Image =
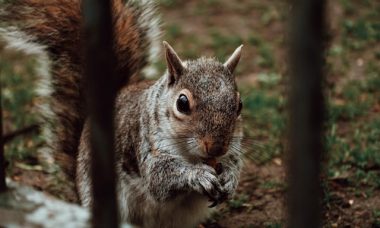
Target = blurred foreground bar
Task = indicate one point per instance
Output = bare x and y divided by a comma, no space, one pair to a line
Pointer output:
2,159
100,64
306,107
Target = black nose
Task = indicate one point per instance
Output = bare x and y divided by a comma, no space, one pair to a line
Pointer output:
216,150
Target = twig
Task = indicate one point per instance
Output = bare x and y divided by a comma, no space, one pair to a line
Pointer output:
24,131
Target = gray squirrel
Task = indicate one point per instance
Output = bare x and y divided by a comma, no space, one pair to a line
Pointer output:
177,140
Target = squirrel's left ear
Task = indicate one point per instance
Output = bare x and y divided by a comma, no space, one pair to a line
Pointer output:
233,61
174,63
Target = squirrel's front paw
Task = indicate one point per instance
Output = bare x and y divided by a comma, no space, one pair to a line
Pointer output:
229,182
205,181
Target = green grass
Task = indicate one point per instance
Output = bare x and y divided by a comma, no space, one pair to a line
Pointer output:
264,120
353,119
169,3
362,29
272,185
274,225
238,201
223,45
18,76
264,57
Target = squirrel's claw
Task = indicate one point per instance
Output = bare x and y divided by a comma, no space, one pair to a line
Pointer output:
213,204
221,197
213,195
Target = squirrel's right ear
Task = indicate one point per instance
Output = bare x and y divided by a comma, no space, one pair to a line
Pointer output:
233,61
174,63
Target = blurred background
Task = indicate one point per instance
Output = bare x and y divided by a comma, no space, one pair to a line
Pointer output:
351,169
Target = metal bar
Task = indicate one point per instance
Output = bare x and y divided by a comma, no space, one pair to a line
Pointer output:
3,186
306,103
100,75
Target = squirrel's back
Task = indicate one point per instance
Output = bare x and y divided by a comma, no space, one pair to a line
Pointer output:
53,30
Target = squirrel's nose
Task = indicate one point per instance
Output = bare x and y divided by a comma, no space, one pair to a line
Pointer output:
216,150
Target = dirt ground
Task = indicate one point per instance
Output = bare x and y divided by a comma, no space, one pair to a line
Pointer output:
259,200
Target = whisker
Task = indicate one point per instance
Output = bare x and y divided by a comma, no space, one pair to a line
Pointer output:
255,151
168,145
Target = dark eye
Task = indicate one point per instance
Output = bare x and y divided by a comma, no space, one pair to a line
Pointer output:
240,107
183,104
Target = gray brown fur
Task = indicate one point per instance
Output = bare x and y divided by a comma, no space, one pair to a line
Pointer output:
163,179
170,184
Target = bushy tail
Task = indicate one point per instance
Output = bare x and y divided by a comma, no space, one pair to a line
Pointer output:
52,30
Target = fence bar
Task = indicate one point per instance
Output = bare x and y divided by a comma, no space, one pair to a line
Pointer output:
2,159
100,75
306,105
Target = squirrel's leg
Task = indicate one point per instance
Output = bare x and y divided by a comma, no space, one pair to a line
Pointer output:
168,176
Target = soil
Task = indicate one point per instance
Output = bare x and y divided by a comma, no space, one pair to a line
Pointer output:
265,204
259,200
344,204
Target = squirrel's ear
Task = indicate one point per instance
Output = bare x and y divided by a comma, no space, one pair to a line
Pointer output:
233,61
174,63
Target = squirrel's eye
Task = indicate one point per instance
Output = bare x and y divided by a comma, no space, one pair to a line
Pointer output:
240,107
183,104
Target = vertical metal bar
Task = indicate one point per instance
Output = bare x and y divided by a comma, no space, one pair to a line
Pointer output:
306,105
100,75
2,159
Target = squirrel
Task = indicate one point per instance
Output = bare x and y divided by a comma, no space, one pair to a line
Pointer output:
177,140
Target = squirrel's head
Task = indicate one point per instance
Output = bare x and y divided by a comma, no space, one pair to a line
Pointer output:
203,104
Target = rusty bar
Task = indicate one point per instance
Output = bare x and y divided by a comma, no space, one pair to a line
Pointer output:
99,71
306,109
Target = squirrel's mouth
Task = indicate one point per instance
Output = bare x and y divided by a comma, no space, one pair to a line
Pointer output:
213,162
